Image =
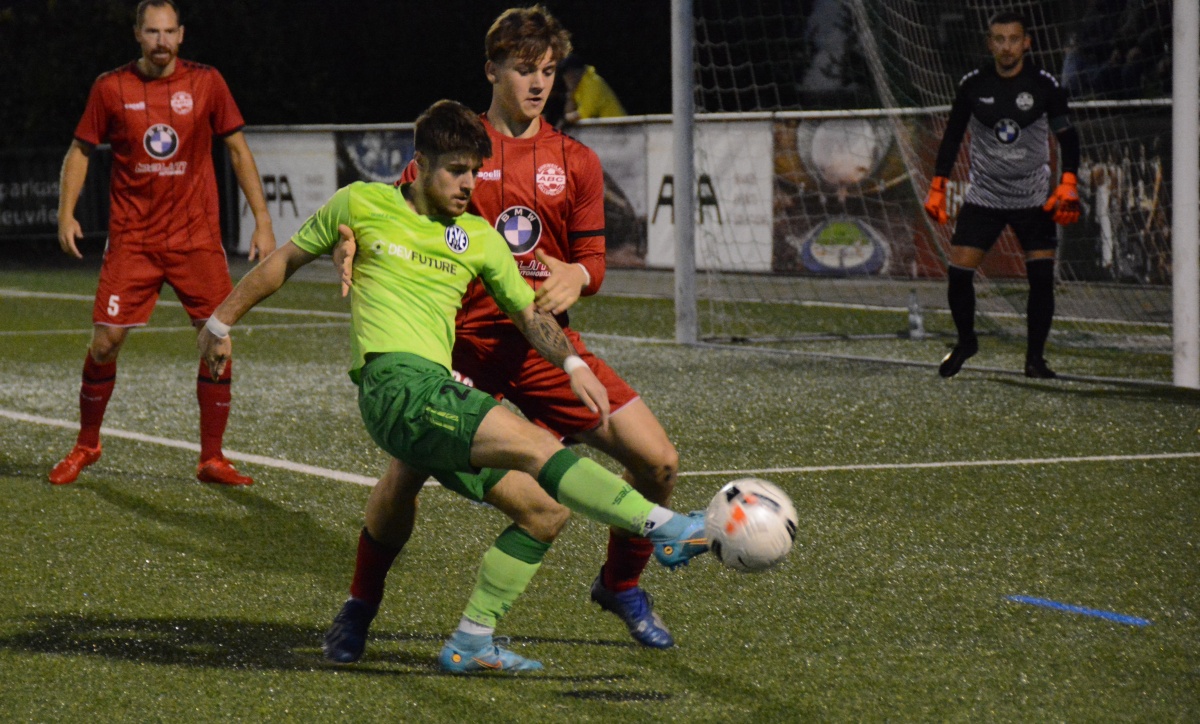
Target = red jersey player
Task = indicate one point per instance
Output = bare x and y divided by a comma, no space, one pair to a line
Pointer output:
160,114
544,192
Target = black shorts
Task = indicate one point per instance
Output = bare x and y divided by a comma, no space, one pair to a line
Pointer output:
979,227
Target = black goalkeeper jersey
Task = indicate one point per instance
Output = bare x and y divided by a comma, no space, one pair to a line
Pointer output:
1010,120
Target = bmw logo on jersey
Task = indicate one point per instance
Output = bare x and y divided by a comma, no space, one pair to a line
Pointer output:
1007,130
160,141
520,227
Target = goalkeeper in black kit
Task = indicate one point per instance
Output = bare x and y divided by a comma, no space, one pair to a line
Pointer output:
1011,107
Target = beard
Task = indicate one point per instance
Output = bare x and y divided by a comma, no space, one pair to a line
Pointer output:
1008,65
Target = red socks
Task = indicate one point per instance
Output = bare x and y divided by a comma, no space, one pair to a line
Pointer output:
97,388
214,409
627,559
94,393
371,568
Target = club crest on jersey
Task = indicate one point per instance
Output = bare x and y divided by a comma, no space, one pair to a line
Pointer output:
181,103
456,238
1024,100
551,179
160,141
1007,130
520,227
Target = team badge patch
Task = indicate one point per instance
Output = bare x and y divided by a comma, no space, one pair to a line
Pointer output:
160,141
1007,130
520,227
181,103
551,179
456,238
1024,101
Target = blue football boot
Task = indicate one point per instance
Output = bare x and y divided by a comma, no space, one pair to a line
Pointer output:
491,657
346,639
636,609
679,540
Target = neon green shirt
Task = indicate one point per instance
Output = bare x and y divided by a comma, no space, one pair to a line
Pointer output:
411,271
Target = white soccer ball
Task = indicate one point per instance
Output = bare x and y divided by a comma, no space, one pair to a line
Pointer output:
750,525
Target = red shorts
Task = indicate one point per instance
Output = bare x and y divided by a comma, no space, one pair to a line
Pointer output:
507,367
131,279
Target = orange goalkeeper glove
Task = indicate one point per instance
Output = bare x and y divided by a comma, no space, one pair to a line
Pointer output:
1064,202
935,202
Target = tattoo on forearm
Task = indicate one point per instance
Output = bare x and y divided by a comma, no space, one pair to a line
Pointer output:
548,338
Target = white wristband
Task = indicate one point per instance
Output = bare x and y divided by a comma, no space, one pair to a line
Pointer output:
572,363
219,329
587,276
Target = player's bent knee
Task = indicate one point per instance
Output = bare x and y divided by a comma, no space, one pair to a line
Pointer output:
539,446
546,522
655,476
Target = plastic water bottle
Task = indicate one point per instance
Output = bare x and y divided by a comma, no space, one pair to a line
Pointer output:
916,321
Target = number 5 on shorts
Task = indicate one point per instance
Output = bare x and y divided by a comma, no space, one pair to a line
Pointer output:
114,305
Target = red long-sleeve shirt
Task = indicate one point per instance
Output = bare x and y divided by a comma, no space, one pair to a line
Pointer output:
542,193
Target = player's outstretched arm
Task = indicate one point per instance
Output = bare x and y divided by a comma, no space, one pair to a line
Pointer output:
263,280
70,184
262,241
544,335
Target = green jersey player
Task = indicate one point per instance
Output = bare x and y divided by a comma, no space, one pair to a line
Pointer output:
418,252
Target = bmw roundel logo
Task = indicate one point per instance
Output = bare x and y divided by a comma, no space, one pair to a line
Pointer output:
1007,130
456,238
160,141
520,227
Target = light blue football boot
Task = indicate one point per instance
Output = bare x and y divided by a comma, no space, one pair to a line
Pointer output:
679,540
491,657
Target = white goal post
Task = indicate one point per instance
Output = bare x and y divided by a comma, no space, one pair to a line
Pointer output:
1185,222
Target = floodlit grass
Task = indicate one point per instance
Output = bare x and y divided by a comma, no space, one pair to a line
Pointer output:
139,594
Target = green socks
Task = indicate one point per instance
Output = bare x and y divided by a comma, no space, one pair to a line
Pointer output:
585,487
506,570
510,564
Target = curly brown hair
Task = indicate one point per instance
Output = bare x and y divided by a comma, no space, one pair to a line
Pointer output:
450,127
526,33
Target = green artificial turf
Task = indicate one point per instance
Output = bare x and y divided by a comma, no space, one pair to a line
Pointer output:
138,594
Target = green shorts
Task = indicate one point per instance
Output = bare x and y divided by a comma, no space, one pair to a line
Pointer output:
416,412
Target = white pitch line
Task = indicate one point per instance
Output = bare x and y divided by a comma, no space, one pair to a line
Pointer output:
144,330
363,480
181,445
89,298
950,464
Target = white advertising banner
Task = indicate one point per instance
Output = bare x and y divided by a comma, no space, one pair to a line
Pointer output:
733,196
299,174
622,152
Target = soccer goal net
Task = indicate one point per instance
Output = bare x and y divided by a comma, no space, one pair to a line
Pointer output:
852,98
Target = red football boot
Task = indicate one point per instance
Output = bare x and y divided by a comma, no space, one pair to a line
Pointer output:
221,471
69,467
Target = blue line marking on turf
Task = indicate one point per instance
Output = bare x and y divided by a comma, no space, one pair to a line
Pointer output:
1109,615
